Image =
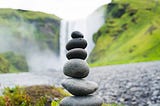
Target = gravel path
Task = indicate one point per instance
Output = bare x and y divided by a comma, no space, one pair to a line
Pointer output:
130,84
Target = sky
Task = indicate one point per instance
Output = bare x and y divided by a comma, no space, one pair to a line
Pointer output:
66,9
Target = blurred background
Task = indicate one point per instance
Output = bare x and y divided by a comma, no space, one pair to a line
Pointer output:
33,35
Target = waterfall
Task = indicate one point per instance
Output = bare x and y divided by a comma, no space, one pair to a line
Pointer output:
87,27
66,28
42,61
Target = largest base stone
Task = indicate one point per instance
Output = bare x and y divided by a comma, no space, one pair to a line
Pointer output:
90,100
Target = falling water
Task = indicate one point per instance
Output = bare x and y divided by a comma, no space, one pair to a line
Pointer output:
39,61
87,26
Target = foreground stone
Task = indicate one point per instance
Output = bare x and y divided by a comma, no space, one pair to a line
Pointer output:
82,101
76,68
79,87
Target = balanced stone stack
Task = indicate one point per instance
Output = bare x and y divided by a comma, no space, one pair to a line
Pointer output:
77,69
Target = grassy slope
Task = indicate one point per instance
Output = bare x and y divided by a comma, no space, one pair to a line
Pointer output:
131,33
38,95
44,27
26,26
27,14
11,62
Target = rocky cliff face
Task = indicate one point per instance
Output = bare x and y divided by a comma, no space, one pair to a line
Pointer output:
27,32
130,33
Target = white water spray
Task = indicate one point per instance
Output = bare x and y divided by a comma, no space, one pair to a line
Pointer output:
87,27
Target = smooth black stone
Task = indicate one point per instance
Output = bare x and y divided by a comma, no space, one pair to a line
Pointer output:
79,87
77,34
76,68
76,43
89,100
76,53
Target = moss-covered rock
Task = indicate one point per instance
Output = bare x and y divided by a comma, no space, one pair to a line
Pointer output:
38,95
50,92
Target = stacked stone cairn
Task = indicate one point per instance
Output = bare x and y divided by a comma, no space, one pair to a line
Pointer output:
77,69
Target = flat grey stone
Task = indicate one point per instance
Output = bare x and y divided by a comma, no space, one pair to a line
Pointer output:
76,34
76,43
79,87
76,53
89,100
76,68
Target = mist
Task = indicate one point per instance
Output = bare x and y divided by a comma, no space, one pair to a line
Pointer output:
19,37
22,37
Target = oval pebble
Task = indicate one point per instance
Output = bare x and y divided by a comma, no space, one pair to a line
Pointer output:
76,68
76,53
79,87
76,43
77,34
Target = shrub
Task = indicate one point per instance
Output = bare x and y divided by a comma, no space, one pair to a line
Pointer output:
39,95
4,65
16,97
16,60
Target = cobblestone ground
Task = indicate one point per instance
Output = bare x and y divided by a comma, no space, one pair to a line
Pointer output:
130,84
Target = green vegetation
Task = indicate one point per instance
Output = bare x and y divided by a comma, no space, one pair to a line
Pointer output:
31,96
28,26
24,32
111,104
130,33
11,62
38,95
4,65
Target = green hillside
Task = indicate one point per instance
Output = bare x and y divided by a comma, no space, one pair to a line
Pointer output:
23,32
131,33
29,25
11,62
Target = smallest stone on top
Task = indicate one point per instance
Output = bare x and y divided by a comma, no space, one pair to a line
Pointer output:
77,34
